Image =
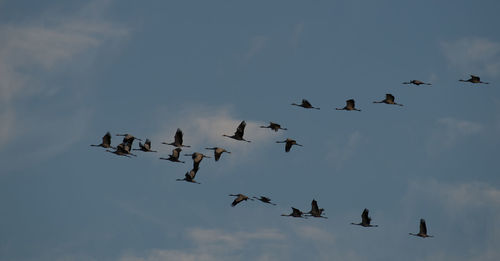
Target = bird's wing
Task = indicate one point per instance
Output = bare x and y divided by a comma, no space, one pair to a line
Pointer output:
350,103
389,97
475,77
241,129
423,227
306,103
176,152
217,155
106,139
364,217
314,206
288,146
296,211
178,136
147,144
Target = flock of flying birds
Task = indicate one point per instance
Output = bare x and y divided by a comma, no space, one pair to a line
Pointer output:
125,148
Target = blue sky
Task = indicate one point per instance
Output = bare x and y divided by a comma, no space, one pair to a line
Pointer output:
71,71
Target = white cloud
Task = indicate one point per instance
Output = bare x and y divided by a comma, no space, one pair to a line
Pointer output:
257,44
449,132
313,233
473,56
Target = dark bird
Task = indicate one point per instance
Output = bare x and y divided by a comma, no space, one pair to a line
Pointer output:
106,141
238,135
305,104
389,99
128,139
265,200
146,147
239,198
218,152
474,79
122,149
177,140
174,157
350,106
416,82
365,220
274,126
295,213
189,176
423,230
197,157
289,143
315,210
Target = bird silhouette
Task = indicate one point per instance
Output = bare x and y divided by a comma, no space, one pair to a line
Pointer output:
106,141
295,213
389,99
123,149
197,157
474,79
177,140
128,139
265,200
350,106
305,104
315,210
365,220
274,126
174,157
423,230
218,152
146,147
239,198
189,176
238,135
289,142
416,82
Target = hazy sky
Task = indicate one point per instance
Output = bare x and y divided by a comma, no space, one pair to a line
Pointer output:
70,72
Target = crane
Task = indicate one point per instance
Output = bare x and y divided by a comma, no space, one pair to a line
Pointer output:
197,157
238,135
289,142
274,126
350,106
106,141
218,152
295,213
365,220
389,99
239,198
423,230
474,79
146,147
315,210
416,82
177,140
305,104
174,157
265,200
189,176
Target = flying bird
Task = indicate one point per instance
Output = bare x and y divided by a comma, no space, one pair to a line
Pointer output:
106,141
295,213
177,140
189,176
238,135
174,157
146,147
474,79
389,99
315,210
128,139
365,220
350,106
423,230
305,104
265,200
289,143
218,152
197,157
274,126
416,82
239,198
122,149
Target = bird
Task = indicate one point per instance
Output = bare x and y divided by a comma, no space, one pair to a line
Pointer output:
289,142
178,140
106,141
389,99
416,82
238,135
239,198
315,210
474,79
189,176
365,220
350,106
295,213
128,139
146,147
197,157
122,149
305,104
423,230
174,157
274,126
218,152
265,200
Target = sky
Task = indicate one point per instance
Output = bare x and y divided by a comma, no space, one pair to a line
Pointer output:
70,71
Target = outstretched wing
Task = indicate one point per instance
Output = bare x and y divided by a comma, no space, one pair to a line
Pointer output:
178,137
296,212
147,144
365,218
176,152
350,103
306,103
241,129
106,139
389,97
423,227
288,146
314,206
475,77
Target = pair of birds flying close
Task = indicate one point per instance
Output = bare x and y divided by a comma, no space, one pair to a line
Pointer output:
314,212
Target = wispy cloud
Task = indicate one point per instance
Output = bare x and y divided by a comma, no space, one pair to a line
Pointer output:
340,153
257,44
473,55
448,132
